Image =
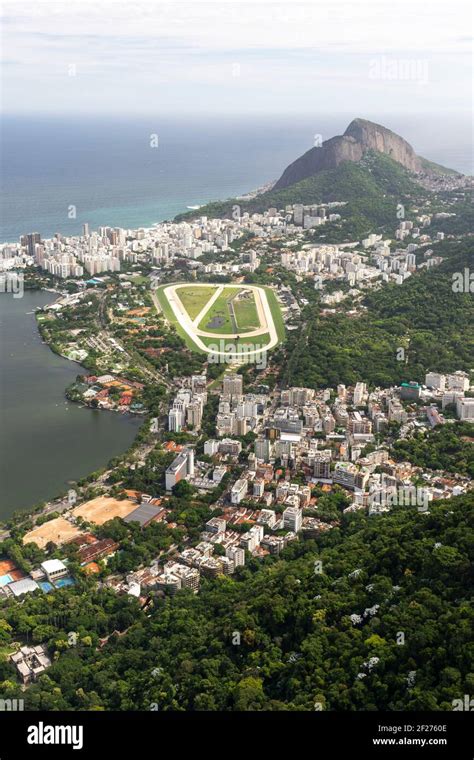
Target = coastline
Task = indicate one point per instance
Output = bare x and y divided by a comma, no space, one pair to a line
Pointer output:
74,361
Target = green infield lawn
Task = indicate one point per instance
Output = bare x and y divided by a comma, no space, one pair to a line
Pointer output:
195,298
218,318
169,315
256,342
245,310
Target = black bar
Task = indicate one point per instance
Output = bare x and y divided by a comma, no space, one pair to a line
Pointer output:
108,735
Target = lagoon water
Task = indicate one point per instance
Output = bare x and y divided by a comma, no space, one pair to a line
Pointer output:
45,441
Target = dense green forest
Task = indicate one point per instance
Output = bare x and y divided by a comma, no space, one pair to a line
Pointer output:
449,448
423,316
279,634
462,221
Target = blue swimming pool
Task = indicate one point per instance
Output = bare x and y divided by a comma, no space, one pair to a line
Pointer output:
5,579
64,582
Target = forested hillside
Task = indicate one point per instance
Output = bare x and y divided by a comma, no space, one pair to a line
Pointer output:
447,447
385,625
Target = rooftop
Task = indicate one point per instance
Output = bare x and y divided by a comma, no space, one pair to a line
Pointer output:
53,566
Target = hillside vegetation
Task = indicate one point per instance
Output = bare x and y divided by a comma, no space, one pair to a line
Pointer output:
386,625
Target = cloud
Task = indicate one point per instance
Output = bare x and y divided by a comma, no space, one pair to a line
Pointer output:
132,52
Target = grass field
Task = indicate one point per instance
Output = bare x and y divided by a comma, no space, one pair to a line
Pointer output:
169,315
246,315
220,309
194,299
275,309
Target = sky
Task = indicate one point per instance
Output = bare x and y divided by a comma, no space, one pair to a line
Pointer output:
227,57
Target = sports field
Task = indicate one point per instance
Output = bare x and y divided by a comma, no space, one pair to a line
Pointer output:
207,315
245,311
104,508
59,531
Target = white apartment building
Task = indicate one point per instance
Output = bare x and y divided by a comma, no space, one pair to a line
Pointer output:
435,380
360,392
232,384
238,491
293,519
458,381
465,409
237,555
175,420
252,538
181,466
211,447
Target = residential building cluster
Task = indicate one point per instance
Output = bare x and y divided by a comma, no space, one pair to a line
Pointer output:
450,389
331,438
109,392
237,412
361,266
188,405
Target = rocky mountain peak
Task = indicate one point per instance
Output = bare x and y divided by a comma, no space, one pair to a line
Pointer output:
360,136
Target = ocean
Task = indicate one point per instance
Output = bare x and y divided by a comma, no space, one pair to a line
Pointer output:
59,173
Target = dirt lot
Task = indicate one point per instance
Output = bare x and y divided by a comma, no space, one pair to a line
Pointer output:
58,530
104,508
